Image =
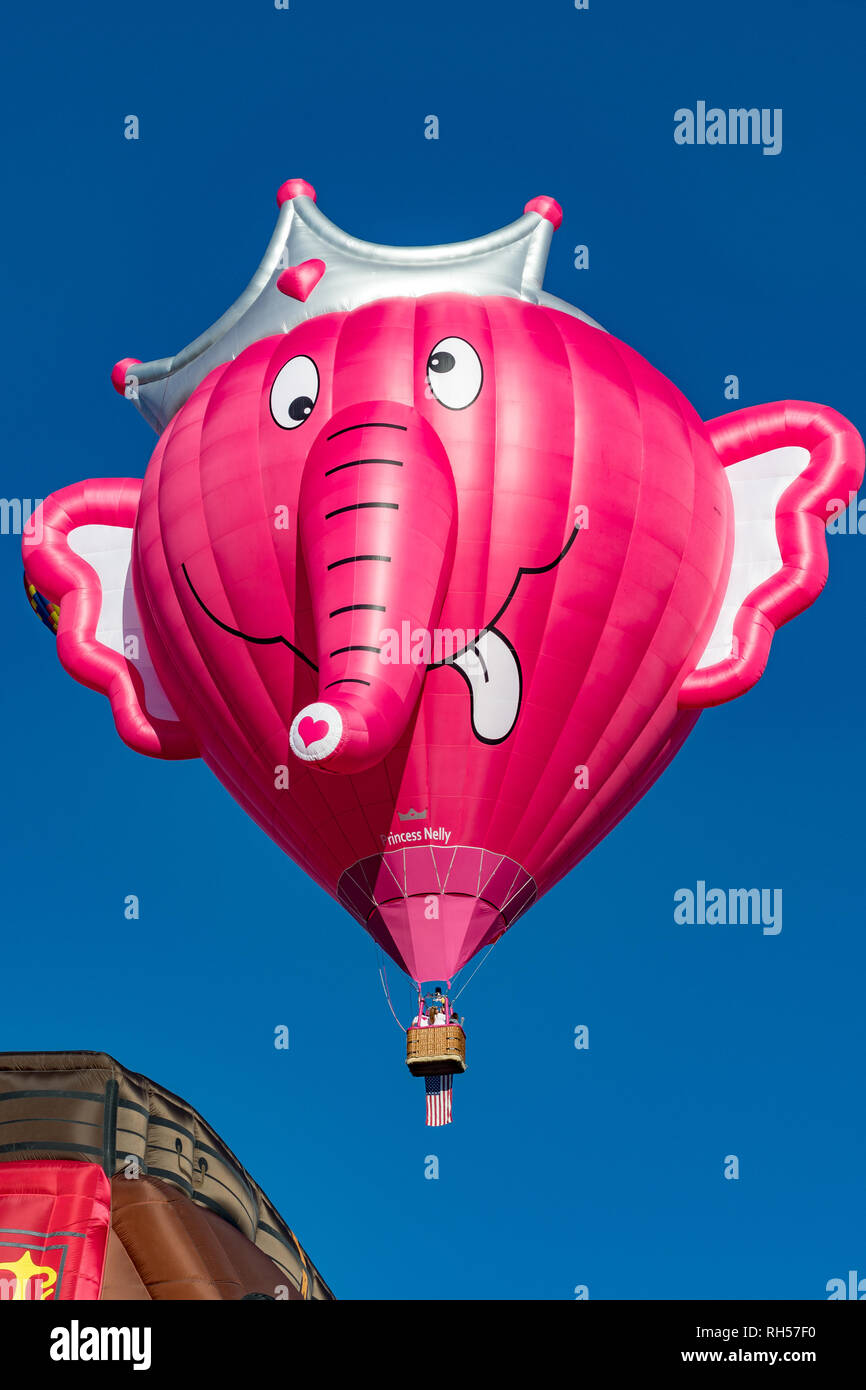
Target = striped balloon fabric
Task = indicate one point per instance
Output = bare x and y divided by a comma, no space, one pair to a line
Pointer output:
438,1090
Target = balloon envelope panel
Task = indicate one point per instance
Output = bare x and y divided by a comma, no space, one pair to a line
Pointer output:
565,537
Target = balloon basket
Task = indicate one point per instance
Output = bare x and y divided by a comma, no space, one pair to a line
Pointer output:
436,1051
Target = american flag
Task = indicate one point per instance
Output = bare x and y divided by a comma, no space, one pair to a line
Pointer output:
438,1090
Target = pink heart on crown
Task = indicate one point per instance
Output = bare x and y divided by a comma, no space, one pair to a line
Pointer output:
299,281
311,730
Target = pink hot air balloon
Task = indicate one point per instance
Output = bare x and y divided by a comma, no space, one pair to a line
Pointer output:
434,573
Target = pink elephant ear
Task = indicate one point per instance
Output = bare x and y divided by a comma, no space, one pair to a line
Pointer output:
77,552
791,466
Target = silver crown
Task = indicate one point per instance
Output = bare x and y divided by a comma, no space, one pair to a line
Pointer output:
311,267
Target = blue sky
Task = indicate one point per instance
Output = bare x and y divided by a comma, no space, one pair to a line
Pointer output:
602,1167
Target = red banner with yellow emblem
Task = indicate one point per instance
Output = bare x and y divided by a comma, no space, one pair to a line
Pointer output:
55,1217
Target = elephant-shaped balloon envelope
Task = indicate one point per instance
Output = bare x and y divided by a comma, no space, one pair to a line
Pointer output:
428,539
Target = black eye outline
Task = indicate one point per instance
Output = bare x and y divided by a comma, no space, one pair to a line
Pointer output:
444,347
281,415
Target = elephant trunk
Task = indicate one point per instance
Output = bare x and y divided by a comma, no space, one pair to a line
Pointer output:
377,521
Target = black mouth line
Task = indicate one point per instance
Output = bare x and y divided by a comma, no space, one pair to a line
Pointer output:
447,661
491,626
236,632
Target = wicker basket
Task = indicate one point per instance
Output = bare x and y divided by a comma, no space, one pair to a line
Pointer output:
436,1051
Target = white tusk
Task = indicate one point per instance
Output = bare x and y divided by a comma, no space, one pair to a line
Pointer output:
491,670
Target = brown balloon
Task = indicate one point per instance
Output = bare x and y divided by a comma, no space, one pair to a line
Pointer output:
187,1222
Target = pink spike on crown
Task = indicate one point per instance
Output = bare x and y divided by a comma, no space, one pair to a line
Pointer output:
295,188
546,207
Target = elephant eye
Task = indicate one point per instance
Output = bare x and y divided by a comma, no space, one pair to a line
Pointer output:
294,392
454,373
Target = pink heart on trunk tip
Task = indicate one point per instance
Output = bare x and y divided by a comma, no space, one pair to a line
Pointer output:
311,730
